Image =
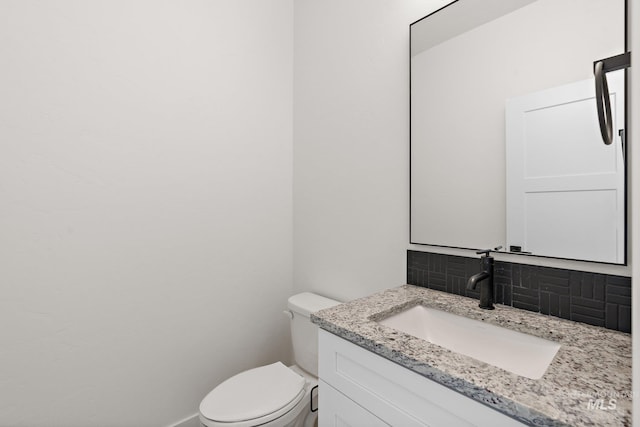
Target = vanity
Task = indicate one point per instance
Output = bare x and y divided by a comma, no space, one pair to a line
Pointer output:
372,373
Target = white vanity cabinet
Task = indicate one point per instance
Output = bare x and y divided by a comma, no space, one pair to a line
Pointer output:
360,388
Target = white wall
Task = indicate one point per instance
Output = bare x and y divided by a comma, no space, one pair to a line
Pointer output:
146,187
351,152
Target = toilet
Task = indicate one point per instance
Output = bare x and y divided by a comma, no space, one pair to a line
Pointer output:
274,395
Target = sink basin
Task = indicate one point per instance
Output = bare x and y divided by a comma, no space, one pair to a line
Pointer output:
512,351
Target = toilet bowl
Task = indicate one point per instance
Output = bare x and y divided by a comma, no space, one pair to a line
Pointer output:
274,395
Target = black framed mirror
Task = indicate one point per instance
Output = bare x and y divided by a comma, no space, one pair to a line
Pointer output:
506,148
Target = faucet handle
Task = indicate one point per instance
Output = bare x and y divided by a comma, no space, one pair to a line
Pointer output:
486,252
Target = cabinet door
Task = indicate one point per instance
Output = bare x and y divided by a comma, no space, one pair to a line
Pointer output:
337,410
395,394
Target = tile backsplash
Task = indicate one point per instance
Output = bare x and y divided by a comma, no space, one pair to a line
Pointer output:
593,298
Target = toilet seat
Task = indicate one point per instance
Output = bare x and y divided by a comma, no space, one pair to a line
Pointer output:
254,397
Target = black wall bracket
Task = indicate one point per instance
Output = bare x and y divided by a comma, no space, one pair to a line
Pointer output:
603,104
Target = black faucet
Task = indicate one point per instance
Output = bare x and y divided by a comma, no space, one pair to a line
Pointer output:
486,279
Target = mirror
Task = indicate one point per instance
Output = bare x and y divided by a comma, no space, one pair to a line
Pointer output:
506,149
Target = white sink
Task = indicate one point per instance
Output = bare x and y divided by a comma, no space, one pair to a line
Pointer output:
512,351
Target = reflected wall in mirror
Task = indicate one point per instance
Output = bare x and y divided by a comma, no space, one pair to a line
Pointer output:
505,144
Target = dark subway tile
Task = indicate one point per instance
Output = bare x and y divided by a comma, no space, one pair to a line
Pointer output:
555,289
619,290
593,298
533,293
599,289
420,259
456,266
438,263
528,277
503,270
554,305
587,311
437,281
587,289
587,319
525,306
516,276
471,294
590,303
508,296
554,276
622,281
532,300
611,316
575,283
565,307
498,294
619,299
624,318
456,285
545,303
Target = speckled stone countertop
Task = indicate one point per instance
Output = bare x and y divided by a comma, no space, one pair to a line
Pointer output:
592,363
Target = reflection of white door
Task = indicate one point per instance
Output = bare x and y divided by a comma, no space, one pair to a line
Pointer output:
565,188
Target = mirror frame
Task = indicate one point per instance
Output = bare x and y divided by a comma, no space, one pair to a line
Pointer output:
627,104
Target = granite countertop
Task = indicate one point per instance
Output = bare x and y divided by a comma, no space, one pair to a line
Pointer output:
592,363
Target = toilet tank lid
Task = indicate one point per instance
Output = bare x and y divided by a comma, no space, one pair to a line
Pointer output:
307,303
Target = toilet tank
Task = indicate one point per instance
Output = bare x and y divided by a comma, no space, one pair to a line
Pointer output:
304,334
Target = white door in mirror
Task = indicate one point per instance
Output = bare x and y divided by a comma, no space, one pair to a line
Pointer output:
565,188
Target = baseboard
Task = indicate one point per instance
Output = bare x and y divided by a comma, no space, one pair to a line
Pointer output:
190,421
